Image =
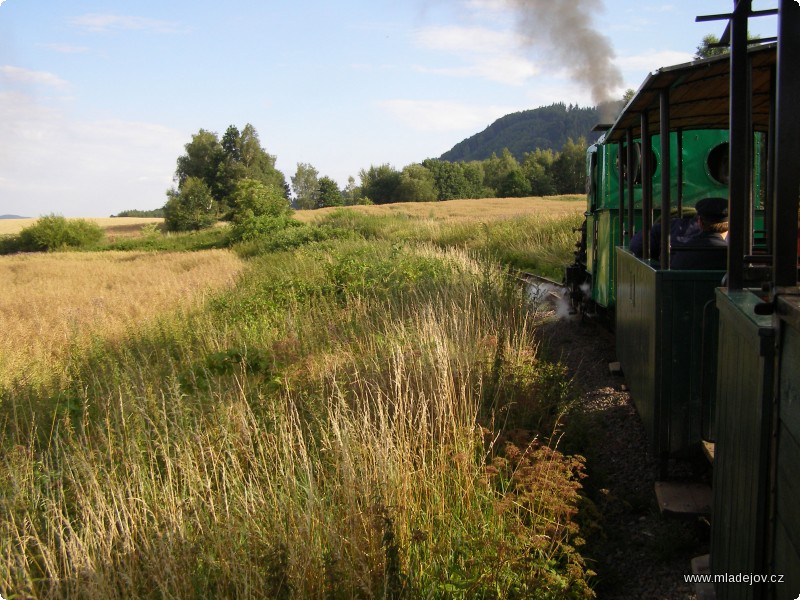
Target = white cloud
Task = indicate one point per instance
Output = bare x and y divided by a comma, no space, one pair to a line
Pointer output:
435,115
18,75
464,39
492,5
100,23
651,60
52,162
510,70
484,53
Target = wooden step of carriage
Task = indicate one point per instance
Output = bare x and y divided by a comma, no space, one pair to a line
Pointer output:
682,498
708,451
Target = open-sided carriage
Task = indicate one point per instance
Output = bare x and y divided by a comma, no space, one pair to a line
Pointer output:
713,355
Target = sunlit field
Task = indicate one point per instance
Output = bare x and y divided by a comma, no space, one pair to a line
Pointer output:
485,209
359,409
116,227
53,303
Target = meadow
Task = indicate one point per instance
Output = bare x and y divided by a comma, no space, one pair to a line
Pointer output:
484,209
53,304
113,226
355,410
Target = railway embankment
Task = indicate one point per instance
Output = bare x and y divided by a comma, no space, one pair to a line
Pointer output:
636,551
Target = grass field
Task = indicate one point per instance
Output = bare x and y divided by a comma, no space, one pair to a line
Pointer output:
365,415
114,227
486,209
51,304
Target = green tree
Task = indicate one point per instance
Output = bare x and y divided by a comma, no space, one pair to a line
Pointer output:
496,169
514,185
203,159
380,183
254,198
627,96
221,164
257,162
230,170
191,207
328,193
707,47
231,143
352,192
454,180
416,185
538,169
569,168
474,174
305,183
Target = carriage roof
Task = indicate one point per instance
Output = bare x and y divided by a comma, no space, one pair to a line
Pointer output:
699,95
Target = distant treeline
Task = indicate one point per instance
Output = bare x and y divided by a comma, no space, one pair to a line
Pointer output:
234,178
539,173
156,213
537,152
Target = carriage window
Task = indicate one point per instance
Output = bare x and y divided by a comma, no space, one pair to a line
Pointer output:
637,162
717,163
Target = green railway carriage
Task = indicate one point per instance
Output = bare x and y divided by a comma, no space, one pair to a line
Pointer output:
704,160
713,356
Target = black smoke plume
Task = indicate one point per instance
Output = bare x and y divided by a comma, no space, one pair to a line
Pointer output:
565,30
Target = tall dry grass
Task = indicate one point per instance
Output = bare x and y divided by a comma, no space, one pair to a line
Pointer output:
331,428
51,305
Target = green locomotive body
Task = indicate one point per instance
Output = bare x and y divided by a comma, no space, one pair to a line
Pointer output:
704,157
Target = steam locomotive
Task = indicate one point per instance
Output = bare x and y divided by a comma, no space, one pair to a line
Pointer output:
711,357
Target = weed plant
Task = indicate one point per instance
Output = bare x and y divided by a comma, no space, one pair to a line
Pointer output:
355,419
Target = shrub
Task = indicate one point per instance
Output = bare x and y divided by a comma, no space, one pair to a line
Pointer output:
53,232
257,227
255,199
257,235
190,208
9,244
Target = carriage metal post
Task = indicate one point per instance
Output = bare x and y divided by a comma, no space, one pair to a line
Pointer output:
647,187
769,196
630,177
739,154
747,215
679,168
787,148
665,177
621,183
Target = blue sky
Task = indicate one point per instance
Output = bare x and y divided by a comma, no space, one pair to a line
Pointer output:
98,98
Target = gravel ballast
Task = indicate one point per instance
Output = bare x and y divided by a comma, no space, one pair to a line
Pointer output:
636,552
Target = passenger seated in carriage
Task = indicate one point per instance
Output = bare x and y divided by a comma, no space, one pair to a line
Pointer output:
706,249
683,226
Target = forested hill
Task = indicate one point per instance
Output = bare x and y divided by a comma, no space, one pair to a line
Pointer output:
547,127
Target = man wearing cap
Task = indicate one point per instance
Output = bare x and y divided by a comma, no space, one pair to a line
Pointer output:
708,248
683,226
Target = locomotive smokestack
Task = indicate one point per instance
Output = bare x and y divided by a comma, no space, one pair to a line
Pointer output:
566,31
